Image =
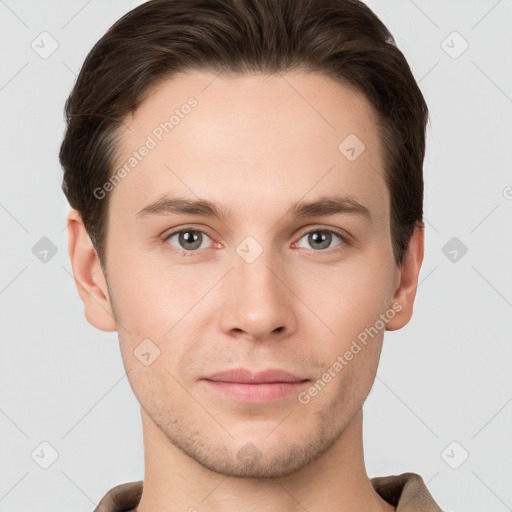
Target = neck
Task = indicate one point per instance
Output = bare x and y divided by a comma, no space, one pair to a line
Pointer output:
336,481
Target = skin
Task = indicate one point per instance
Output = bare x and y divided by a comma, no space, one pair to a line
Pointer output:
256,146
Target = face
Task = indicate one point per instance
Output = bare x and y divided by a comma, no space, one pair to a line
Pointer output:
256,279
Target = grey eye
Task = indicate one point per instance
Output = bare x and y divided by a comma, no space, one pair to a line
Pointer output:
188,239
320,238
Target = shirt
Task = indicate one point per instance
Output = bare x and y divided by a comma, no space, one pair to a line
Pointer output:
407,492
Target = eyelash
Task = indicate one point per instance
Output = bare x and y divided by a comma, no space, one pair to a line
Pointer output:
195,252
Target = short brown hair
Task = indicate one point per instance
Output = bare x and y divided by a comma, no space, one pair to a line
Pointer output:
342,39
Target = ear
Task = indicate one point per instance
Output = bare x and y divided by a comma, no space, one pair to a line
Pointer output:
89,277
407,280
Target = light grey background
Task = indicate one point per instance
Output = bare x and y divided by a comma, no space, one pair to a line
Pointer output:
444,378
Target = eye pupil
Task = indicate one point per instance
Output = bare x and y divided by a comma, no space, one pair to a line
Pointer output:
321,239
187,237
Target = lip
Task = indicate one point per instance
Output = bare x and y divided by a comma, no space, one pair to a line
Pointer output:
255,387
244,376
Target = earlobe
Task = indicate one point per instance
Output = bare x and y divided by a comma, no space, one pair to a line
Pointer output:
403,298
89,277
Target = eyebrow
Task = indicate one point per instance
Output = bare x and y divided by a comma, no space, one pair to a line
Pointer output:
322,206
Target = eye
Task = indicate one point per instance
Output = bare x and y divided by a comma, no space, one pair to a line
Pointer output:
321,239
188,240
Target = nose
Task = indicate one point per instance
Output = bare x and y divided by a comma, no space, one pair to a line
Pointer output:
257,301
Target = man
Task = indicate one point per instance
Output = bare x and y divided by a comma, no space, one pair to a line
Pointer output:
246,184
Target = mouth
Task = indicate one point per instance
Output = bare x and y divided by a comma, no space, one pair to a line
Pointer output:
260,387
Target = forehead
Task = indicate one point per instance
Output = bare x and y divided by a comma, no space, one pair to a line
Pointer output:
250,138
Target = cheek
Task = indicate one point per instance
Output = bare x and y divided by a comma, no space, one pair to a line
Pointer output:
159,314
158,387
347,299
147,300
